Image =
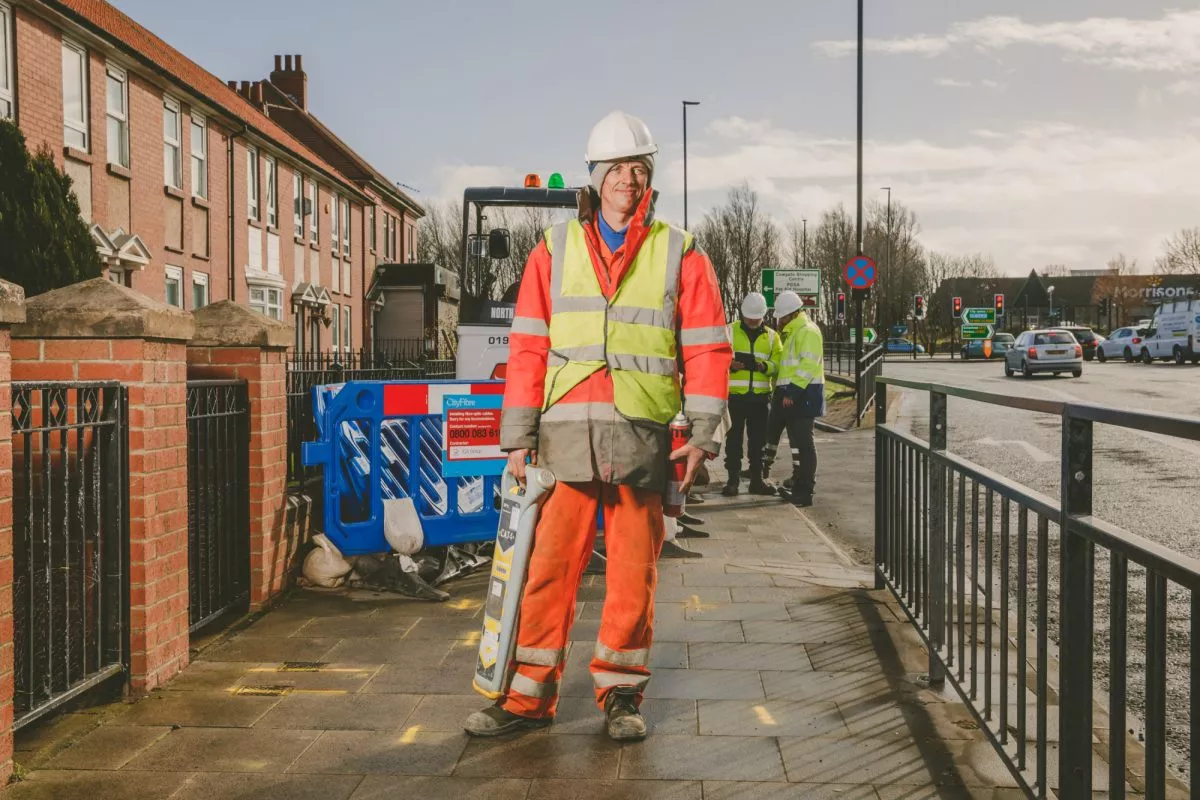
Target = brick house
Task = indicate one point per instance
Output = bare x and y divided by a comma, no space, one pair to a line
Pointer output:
391,217
185,181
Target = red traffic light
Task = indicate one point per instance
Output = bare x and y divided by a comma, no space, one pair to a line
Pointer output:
840,311
919,306
957,306
999,305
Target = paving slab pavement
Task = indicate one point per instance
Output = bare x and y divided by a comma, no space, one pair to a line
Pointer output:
776,674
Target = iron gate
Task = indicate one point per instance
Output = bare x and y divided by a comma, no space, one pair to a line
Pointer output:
218,423
70,542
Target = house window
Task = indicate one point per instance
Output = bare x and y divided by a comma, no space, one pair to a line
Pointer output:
199,156
272,194
395,250
334,223
409,241
297,205
267,300
175,287
253,210
172,147
371,219
336,328
117,114
7,79
314,217
346,329
75,95
199,290
346,228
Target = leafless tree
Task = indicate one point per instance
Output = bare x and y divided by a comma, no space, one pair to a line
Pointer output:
831,244
1181,254
742,241
1116,286
439,239
1055,271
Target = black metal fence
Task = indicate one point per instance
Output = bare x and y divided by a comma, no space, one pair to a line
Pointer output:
839,358
218,424
70,542
1003,583
304,371
870,368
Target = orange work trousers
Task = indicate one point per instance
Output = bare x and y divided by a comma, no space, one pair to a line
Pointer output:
563,540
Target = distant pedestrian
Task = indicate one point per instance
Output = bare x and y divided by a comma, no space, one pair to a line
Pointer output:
800,392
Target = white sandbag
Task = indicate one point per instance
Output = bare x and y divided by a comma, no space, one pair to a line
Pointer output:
324,565
402,527
672,526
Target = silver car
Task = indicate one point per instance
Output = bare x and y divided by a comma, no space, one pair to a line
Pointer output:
1049,350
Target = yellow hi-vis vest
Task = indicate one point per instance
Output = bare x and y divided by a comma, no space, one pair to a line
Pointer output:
766,347
632,334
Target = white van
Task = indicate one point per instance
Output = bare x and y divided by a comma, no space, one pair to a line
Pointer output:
1175,333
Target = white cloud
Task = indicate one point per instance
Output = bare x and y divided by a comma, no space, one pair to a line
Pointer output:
453,178
1032,195
1170,43
953,83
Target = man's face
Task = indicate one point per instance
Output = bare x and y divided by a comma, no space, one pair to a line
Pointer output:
752,322
624,186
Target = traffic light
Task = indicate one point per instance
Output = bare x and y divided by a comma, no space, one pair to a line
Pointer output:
919,306
999,305
841,306
1104,304
956,308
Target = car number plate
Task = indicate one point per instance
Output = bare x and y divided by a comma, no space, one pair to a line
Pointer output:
1056,352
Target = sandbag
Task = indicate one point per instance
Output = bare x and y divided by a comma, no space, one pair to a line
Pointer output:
402,527
324,565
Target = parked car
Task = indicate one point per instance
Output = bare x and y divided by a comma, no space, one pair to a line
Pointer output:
1001,344
1175,335
897,345
1048,350
1088,339
1123,343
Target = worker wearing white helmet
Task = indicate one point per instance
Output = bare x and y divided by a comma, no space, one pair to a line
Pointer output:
756,350
799,394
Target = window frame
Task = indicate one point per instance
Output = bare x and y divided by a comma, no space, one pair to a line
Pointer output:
198,120
272,172
81,127
335,222
119,74
346,336
297,204
373,223
314,224
266,306
200,279
174,145
335,327
8,72
346,227
253,187
173,274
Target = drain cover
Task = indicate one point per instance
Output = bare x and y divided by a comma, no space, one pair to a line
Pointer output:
263,691
302,666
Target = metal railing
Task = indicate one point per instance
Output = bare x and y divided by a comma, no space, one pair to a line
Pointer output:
304,371
218,425
983,598
839,358
870,367
70,542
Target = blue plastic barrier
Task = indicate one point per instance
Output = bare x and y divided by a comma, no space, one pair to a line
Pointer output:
383,441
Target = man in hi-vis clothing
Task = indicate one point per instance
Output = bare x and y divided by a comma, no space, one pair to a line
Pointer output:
618,325
756,350
799,392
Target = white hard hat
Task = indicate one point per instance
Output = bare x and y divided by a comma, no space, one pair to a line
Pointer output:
787,303
754,306
619,136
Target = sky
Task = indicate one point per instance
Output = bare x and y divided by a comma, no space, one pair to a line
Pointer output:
1039,133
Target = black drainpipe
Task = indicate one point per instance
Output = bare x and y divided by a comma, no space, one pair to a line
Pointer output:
229,151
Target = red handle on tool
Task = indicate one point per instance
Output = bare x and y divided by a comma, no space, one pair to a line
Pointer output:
680,434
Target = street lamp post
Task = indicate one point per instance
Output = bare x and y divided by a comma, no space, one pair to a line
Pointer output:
804,244
686,103
1050,311
889,283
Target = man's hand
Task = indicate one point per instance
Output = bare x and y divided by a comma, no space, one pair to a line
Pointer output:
695,457
736,366
788,402
516,463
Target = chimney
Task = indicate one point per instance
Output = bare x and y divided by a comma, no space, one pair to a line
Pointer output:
291,79
256,94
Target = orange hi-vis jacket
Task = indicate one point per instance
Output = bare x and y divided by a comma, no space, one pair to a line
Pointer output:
583,437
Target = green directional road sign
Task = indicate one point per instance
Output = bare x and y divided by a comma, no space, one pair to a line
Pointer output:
869,338
977,331
979,316
804,282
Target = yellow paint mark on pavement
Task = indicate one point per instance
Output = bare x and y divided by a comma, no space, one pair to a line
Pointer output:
465,604
320,691
472,639
694,604
410,734
764,716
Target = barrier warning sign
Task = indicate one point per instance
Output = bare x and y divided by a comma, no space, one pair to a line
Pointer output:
471,435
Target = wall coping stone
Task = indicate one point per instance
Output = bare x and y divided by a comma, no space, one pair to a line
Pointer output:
100,309
12,303
227,324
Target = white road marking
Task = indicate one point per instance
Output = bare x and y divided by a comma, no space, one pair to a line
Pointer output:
1037,454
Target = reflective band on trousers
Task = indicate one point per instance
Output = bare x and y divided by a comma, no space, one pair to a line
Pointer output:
540,656
531,688
607,680
622,658
632,334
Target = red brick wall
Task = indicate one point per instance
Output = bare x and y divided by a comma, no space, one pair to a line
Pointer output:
6,562
272,552
156,375
38,47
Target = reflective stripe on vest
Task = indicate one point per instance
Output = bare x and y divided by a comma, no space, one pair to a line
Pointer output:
632,334
745,381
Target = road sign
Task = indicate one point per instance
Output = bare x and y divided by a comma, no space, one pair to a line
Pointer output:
977,331
979,316
868,338
899,330
859,272
804,282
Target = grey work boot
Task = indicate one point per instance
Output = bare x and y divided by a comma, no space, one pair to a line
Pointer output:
495,721
624,721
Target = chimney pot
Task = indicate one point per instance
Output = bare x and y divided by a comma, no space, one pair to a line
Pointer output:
231,85
299,65
278,62
287,63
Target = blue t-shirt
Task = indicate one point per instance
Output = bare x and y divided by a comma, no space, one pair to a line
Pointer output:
614,239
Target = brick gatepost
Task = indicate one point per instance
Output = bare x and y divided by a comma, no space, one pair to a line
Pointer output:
98,331
12,311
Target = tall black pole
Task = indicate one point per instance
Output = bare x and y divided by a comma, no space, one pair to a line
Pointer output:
685,218
859,333
804,245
